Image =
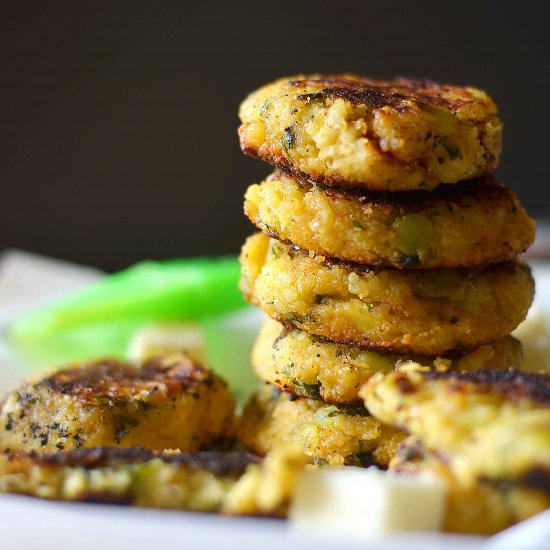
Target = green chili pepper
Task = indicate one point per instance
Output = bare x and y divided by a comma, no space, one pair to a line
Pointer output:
104,315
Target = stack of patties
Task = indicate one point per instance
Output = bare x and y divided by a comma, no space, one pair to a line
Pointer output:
384,241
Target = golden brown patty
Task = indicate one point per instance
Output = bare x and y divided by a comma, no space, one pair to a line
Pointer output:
476,222
426,312
385,136
206,481
486,428
327,433
443,409
430,405
159,404
306,365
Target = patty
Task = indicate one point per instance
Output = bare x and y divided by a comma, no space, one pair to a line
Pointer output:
383,135
443,409
446,227
484,507
491,424
487,432
425,312
302,364
327,433
162,403
206,481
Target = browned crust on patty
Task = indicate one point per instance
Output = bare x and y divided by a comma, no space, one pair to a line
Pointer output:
512,384
395,167
384,347
468,272
384,93
380,264
484,189
110,379
215,462
280,162
288,328
537,477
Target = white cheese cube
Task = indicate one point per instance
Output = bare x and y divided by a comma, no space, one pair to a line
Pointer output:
534,334
359,502
165,338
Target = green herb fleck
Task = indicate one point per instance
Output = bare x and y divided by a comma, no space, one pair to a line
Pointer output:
352,410
357,410
295,317
276,251
300,319
452,150
286,371
311,391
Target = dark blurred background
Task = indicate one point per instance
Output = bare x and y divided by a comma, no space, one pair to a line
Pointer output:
118,118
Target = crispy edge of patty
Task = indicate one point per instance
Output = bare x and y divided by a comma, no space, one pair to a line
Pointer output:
369,233
129,476
272,419
459,331
220,463
448,411
113,380
278,349
235,483
387,395
511,384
